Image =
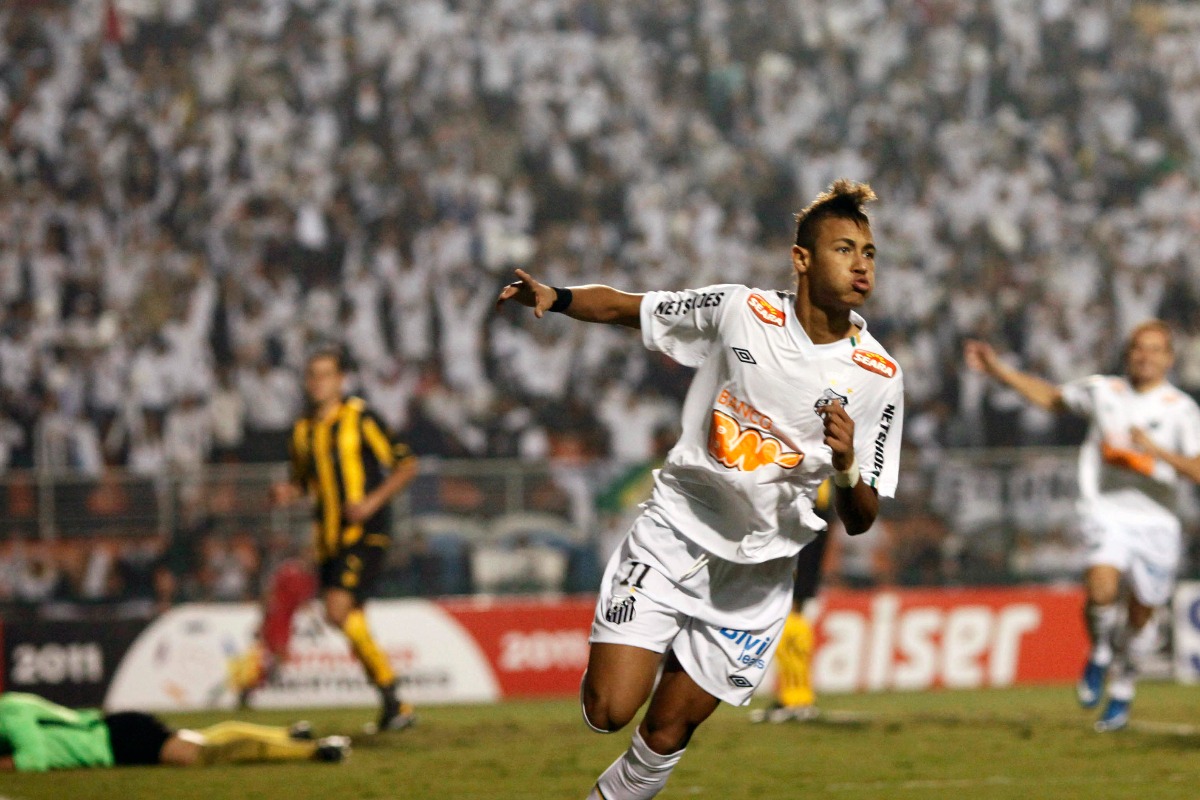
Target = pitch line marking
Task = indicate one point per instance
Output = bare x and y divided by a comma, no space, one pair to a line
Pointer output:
994,780
1170,728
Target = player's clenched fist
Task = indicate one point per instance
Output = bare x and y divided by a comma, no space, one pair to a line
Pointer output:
528,292
839,434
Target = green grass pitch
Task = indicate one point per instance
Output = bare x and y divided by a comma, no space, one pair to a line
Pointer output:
1025,744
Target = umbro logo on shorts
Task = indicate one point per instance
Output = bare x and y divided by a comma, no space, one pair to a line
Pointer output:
620,610
739,681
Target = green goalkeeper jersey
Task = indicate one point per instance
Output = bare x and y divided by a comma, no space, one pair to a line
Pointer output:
42,735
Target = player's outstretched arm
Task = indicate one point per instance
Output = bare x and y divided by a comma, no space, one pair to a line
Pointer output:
1184,465
591,303
981,357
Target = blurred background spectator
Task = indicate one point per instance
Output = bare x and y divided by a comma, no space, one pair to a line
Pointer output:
194,194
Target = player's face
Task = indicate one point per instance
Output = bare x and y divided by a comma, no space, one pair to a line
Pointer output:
841,265
1149,357
322,381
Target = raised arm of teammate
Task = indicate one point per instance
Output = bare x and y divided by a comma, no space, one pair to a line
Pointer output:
858,504
592,303
1185,466
982,357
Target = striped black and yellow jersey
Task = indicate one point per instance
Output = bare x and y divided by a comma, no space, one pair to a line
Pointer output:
339,459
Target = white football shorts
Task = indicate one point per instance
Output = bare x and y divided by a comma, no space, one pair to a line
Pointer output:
1146,548
663,593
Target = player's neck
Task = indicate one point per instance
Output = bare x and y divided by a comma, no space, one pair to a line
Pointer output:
824,326
1141,387
326,410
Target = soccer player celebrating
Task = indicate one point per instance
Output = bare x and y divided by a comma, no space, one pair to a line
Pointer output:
37,735
791,389
1144,435
342,456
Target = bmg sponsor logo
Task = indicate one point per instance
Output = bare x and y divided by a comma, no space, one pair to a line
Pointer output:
753,648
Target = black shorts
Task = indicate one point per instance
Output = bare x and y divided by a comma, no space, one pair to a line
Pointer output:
355,568
136,738
808,569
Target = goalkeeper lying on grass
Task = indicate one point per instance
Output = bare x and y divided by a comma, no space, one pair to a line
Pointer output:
37,735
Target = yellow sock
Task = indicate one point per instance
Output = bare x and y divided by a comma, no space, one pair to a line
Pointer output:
367,650
794,660
231,742
246,669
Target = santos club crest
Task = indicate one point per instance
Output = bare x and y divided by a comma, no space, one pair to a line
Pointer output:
827,397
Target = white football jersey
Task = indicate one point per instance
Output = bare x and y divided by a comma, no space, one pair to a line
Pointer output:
1109,467
742,479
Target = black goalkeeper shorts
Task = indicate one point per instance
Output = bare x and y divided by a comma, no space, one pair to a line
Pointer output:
136,738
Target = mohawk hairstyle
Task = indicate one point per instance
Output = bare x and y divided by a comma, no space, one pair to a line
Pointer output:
844,198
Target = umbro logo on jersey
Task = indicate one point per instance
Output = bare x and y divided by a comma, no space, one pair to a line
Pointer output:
620,609
827,397
873,362
739,681
765,311
745,449
744,356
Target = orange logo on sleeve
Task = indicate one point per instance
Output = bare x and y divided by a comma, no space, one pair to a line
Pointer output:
1137,461
765,311
873,362
746,449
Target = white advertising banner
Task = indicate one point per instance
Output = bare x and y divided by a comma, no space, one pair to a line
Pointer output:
182,660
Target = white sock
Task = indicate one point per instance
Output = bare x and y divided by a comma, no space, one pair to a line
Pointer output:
1132,647
1102,623
639,774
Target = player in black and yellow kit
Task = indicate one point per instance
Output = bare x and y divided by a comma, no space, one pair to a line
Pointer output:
343,457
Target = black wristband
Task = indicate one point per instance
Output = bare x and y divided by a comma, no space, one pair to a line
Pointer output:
562,299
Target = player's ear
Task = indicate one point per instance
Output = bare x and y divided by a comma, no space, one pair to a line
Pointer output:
801,258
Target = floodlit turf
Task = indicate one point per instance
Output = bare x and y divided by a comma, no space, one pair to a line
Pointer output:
1019,743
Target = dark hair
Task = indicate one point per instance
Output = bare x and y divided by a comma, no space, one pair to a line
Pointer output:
844,198
336,353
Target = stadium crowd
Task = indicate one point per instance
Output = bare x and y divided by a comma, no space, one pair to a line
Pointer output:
194,193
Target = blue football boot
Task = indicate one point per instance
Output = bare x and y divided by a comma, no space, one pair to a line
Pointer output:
1115,716
1090,688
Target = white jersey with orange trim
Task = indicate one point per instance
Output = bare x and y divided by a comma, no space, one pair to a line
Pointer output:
1110,469
743,477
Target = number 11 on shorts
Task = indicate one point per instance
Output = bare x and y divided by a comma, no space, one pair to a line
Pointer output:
637,573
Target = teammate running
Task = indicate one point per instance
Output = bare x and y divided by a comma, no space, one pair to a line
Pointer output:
1143,437
790,389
